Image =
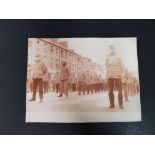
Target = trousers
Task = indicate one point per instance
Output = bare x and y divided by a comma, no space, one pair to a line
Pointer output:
115,83
37,83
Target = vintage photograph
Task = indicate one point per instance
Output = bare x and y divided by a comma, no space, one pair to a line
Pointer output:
82,80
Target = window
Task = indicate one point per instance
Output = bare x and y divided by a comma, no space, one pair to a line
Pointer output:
61,53
66,54
57,51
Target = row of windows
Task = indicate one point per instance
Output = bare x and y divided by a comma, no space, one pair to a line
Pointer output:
71,64
63,53
57,66
72,67
55,51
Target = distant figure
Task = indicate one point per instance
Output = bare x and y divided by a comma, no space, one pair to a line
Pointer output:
39,69
132,84
114,69
125,83
74,81
88,82
56,82
100,84
70,83
81,83
64,77
46,80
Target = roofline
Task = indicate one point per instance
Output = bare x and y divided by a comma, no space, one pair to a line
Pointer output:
42,39
58,45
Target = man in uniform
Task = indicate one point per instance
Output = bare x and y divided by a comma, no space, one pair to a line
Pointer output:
46,80
81,83
56,82
64,78
125,83
125,80
74,80
95,83
91,83
100,84
88,80
39,69
70,82
132,84
114,69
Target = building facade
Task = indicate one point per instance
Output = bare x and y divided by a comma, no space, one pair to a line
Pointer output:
54,53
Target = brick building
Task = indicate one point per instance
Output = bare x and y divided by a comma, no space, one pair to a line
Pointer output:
55,52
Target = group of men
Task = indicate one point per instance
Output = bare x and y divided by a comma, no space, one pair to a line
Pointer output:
82,83
118,78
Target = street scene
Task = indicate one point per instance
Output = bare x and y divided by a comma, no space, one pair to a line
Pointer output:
66,85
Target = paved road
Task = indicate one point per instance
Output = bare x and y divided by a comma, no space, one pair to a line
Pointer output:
76,103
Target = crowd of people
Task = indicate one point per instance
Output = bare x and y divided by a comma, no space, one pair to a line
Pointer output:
63,82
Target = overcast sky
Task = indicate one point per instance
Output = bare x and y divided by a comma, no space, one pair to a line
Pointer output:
98,48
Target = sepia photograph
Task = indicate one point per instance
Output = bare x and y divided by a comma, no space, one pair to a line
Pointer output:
82,80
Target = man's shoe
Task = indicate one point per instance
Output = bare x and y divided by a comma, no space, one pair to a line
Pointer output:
32,100
59,95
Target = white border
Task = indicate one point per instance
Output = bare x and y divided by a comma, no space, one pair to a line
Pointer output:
97,9
77,145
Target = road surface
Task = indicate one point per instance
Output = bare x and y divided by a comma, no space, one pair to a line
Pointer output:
79,104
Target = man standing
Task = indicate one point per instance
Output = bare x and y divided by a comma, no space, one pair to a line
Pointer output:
88,80
114,68
56,82
64,78
81,83
125,79
46,80
74,81
38,70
